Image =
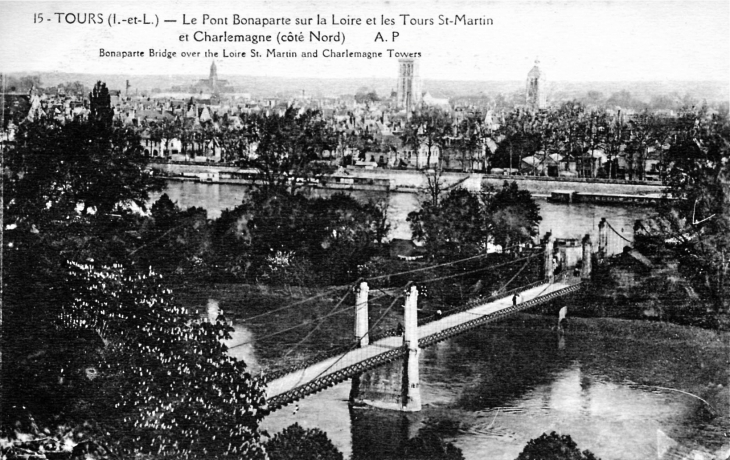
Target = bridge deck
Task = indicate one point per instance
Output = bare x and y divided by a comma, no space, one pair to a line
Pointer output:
297,384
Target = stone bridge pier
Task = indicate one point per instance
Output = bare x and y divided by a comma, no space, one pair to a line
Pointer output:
396,385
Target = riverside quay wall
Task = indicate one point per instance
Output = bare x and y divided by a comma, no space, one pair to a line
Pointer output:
413,181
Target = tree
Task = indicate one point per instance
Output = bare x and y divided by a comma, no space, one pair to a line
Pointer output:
695,226
173,241
334,235
428,445
469,140
454,227
363,141
55,167
68,190
351,234
296,443
289,148
164,376
24,84
554,447
624,100
100,110
427,128
463,223
88,343
74,88
513,214
518,139
364,96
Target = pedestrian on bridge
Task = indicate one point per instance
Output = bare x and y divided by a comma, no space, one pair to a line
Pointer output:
514,300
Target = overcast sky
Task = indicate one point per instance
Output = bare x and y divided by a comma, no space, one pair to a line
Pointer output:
574,40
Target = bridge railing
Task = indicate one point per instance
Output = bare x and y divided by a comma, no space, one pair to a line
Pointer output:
474,302
481,300
327,380
487,318
269,376
393,332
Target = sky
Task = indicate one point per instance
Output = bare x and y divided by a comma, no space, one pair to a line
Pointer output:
587,40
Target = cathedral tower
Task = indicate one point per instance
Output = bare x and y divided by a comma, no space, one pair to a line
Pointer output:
409,84
536,82
213,77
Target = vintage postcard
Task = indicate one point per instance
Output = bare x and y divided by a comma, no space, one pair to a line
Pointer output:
365,230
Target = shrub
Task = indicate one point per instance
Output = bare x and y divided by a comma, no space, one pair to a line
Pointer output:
554,447
296,443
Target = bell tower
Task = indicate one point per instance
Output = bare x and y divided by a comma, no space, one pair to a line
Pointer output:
535,92
408,93
213,77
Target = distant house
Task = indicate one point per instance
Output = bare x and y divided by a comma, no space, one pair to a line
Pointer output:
590,162
542,164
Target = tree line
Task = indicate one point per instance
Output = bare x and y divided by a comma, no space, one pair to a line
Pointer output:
98,353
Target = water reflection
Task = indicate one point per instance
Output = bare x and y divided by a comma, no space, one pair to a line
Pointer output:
491,391
327,411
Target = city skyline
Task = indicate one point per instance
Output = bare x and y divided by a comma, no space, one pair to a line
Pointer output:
587,41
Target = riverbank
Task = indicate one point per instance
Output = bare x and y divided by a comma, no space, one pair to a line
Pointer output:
634,286
411,181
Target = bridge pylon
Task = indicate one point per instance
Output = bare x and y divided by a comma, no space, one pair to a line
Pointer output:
411,382
585,272
549,268
361,315
396,385
602,239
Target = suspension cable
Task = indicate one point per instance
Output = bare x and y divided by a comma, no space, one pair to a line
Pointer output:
504,285
617,233
478,269
316,328
445,264
392,304
322,294
318,319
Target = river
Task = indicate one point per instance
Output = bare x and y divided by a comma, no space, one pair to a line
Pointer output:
564,221
621,389
492,390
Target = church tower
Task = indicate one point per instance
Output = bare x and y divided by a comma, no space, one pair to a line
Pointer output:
213,77
408,93
535,93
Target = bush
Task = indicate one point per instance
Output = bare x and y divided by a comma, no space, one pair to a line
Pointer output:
429,446
296,443
554,447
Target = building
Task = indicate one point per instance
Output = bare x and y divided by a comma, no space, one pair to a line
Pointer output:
408,93
212,84
536,96
211,87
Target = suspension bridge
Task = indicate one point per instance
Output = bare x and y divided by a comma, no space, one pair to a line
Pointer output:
368,352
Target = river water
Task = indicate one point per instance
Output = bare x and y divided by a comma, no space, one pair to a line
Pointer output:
565,221
493,389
